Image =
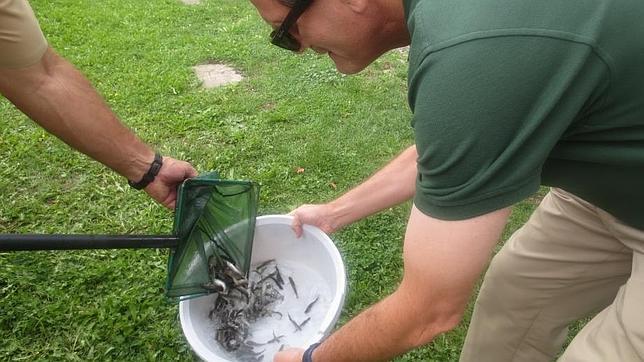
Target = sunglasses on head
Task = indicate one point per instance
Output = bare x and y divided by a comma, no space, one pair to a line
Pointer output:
281,37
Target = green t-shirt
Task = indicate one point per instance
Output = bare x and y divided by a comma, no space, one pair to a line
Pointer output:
511,94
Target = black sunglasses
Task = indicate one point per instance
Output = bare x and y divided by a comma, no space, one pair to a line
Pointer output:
281,37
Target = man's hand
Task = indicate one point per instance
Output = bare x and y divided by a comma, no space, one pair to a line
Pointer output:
390,186
320,215
289,355
164,187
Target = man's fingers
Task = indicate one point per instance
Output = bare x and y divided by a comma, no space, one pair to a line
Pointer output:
191,172
289,355
296,225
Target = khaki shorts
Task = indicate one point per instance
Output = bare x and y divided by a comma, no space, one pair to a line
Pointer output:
22,43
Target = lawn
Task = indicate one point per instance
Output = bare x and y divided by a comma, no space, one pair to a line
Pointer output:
289,113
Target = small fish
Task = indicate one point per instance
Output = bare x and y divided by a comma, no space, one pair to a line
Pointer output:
278,283
297,326
279,276
271,277
264,264
305,322
251,356
243,302
216,286
242,291
275,338
254,344
290,280
233,271
308,308
240,282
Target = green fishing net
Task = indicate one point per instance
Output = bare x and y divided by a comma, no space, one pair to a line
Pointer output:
214,218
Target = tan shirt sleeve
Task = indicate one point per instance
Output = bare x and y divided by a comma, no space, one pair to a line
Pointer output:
22,43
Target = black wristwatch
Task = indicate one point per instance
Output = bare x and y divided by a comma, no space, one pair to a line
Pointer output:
308,354
149,176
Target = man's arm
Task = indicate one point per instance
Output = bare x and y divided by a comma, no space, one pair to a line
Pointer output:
443,260
390,186
60,99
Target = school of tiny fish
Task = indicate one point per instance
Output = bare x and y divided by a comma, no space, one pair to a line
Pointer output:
239,302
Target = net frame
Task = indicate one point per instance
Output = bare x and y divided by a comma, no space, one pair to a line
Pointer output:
214,218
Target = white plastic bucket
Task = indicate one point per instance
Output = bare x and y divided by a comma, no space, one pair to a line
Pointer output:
274,239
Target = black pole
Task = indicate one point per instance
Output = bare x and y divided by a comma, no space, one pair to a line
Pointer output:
25,242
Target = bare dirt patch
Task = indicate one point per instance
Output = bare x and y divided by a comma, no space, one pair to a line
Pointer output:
216,75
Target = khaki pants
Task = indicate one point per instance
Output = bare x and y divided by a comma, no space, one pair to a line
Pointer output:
568,261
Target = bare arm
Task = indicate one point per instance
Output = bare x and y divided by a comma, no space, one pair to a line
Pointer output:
60,99
390,186
443,260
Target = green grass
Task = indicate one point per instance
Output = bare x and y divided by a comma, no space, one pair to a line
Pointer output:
290,112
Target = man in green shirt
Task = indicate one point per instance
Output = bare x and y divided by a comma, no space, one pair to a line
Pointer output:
506,95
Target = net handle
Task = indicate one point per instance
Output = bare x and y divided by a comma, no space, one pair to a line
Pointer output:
33,242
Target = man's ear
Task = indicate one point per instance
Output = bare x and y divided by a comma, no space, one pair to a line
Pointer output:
358,6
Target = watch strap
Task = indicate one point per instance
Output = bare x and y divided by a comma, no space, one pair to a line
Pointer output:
149,176
308,354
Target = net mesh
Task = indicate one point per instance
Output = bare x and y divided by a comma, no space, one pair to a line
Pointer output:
213,218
